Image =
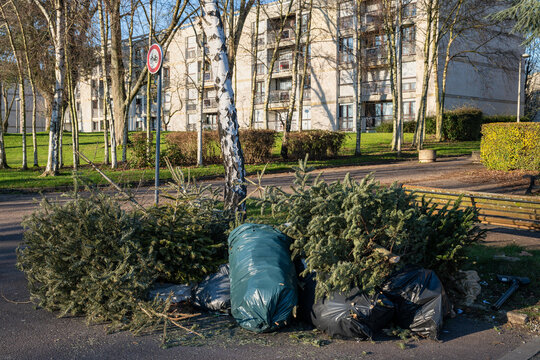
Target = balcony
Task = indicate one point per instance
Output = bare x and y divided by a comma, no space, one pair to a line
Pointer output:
279,96
375,56
97,113
346,23
259,98
210,103
287,36
376,88
191,105
283,66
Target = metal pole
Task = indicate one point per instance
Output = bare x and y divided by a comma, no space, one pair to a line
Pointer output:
158,135
519,90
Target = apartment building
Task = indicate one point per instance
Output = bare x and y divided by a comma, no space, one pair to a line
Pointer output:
329,91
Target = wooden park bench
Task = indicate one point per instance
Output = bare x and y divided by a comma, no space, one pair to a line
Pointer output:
514,211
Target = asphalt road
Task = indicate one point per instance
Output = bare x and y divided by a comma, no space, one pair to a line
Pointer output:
29,333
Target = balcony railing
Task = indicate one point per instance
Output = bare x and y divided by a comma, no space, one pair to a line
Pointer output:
376,88
259,98
210,103
286,36
279,96
282,66
346,23
345,57
97,113
191,105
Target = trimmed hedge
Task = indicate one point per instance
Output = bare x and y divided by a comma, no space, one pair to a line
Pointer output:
388,127
319,144
182,148
510,146
257,146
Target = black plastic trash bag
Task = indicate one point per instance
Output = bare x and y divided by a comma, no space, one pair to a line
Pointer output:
355,315
263,278
214,292
178,293
420,299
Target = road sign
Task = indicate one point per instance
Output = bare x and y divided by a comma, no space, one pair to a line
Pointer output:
154,59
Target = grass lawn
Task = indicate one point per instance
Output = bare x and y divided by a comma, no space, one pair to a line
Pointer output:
375,148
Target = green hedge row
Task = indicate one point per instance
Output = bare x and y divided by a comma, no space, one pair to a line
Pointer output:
181,146
461,124
510,146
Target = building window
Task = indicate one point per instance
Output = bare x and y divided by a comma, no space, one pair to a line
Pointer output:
408,110
346,117
409,10
345,53
95,125
166,76
306,118
409,86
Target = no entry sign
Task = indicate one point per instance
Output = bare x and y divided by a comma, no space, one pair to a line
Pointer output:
154,59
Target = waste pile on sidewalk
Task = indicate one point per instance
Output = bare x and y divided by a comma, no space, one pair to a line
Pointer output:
261,287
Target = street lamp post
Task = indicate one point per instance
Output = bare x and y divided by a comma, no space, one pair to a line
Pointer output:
522,57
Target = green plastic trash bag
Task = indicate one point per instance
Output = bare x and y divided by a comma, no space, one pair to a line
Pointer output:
262,276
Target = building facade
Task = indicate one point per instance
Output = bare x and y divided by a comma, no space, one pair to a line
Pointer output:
263,74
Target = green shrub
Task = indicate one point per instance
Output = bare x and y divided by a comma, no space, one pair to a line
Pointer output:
342,228
181,147
319,144
84,257
388,127
137,144
462,124
385,127
257,145
488,119
509,146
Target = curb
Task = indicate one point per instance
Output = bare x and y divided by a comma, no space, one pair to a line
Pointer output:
524,352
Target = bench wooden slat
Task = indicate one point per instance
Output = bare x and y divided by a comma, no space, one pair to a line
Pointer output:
501,210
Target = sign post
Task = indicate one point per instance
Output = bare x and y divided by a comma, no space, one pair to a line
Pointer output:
154,60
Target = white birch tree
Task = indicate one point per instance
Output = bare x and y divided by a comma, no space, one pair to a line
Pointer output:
231,150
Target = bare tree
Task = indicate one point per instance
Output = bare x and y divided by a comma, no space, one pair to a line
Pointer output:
3,159
21,79
306,70
57,30
231,150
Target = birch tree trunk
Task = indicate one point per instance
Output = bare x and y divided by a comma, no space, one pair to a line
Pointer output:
419,128
306,61
273,59
104,37
399,77
149,90
57,30
3,160
233,158
294,85
32,84
255,61
358,79
22,95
